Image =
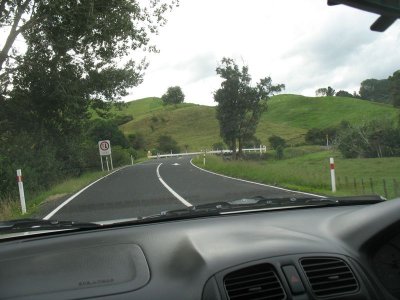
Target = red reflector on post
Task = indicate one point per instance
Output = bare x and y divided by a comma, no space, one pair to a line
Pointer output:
332,166
19,178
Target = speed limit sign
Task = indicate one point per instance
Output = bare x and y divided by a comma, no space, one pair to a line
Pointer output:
105,147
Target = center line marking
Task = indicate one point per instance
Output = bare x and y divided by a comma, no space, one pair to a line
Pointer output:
176,195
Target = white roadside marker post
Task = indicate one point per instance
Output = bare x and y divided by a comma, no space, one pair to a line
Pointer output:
112,167
108,168
21,191
333,179
131,160
204,158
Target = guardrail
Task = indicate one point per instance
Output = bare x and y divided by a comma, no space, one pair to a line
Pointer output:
261,149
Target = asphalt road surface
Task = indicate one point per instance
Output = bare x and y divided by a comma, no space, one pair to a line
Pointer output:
154,186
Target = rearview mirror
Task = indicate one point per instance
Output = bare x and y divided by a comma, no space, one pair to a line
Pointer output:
389,10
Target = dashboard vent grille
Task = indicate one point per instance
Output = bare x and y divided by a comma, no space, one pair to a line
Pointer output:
255,282
329,276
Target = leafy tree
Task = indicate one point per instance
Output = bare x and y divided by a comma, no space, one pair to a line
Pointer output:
218,146
174,95
251,141
318,136
167,144
72,61
375,90
325,91
395,88
330,91
276,142
376,138
342,93
107,130
239,104
321,92
137,140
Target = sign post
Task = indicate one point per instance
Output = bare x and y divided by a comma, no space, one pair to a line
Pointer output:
21,191
105,150
333,179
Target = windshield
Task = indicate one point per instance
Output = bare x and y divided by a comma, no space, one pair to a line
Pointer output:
132,110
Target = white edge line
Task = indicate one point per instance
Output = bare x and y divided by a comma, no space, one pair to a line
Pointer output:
52,213
176,195
257,183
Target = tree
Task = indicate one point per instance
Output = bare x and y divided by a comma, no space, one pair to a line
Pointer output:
239,104
137,140
330,92
321,92
375,90
167,144
107,130
395,88
72,62
325,91
174,95
342,93
278,144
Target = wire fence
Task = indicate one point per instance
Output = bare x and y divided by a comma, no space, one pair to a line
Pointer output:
389,188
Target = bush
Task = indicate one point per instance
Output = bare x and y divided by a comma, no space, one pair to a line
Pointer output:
106,130
276,141
167,144
316,136
119,120
373,139
219,146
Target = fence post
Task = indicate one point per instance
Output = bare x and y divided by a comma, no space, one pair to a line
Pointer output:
395,187
372,185
21,191
385,188
362,185
355,183
346,181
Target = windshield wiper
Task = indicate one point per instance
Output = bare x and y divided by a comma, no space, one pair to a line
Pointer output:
260,202
24,225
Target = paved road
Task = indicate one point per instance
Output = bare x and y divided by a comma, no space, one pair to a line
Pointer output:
154,186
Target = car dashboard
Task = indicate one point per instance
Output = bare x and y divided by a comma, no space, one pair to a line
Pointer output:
344,252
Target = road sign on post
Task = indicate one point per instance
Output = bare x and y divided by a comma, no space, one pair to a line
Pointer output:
105,150
105,147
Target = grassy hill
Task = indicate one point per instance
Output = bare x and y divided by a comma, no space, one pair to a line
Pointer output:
289,116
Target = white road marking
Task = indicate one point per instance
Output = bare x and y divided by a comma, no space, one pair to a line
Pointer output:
176,195
75,195
257,183
176,164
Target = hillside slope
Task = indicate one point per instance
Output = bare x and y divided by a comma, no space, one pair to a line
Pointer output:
289,116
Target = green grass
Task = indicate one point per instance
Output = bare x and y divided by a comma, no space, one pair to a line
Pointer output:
310,172
289,116
10,208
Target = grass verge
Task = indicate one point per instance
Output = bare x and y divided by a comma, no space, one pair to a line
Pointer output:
10,207
311,173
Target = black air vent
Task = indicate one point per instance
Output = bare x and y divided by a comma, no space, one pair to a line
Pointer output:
329,276
255,282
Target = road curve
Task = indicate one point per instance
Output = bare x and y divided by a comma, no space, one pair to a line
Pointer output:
154,186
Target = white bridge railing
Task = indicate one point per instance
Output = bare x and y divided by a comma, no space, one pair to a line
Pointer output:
261,149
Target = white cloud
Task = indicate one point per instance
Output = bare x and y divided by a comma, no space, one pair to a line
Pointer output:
304,44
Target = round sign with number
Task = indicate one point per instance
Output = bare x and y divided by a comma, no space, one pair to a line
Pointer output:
105,147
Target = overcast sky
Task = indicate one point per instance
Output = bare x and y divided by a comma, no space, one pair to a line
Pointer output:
304,44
